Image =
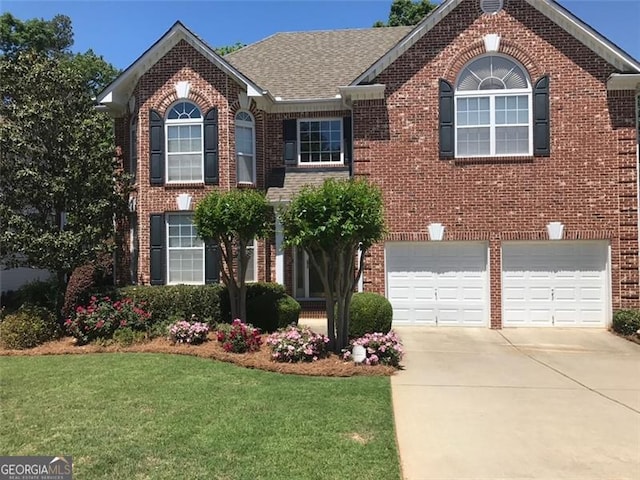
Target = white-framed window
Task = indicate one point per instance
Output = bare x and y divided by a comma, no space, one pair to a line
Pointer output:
184,137
252,267
493,104
245,147
320,141
185,250
133,148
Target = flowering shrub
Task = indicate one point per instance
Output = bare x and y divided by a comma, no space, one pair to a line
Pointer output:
385,349
192,332
296,344
239,337
102,317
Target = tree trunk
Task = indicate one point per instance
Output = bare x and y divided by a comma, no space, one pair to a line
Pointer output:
229,278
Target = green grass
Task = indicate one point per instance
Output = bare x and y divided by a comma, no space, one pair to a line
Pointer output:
139,416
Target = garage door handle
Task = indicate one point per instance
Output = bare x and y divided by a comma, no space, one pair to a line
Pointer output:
553,294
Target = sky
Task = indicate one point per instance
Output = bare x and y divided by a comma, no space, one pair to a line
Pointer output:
122,30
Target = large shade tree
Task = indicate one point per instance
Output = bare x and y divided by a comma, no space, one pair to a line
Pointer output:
406,13
60,187
233,220
331,223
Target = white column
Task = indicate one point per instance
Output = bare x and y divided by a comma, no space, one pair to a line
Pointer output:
279,253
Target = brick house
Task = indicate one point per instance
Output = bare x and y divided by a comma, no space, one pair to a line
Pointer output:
502,133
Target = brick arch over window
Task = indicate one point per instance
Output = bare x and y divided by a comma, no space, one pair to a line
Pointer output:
507,47
194,96
234,108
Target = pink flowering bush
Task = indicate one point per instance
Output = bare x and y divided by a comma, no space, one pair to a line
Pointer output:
297,344
103,316
385,349
239,337
192,333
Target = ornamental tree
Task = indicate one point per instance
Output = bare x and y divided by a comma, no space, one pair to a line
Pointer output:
59,184
234,220
331,223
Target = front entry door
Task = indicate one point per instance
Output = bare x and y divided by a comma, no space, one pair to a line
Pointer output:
308,283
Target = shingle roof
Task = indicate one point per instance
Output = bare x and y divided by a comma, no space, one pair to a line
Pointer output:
283,184
311,65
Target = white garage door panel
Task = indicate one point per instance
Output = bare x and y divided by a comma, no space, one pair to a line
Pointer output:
555,283
443,284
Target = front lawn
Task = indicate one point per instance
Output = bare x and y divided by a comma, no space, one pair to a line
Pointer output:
157,416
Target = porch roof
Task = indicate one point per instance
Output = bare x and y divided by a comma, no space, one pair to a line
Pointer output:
284,183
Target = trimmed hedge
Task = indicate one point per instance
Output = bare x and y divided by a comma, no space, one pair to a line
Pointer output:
369,313
27,328
288,311
268,306
626,322
165,302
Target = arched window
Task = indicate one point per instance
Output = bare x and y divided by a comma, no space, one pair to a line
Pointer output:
245,148
493,108
184,143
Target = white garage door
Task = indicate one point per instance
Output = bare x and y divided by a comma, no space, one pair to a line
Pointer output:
559,284
438,283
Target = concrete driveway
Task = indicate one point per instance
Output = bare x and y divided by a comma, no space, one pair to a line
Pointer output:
515,404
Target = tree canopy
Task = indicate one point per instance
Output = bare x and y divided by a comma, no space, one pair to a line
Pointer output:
224,50
331,223
50,37
406,13
233,220
60,187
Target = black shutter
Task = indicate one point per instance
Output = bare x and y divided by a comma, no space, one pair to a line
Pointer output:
347,137
156,148
290,139
157,240
211,263
541,130
211,176
447,126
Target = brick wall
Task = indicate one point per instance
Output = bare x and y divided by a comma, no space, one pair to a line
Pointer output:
588,182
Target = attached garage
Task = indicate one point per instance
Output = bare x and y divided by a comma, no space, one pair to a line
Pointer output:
562,284
431,283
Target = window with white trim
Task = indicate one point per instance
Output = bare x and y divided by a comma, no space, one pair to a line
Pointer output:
133,148
493,109
184,144
245,148
185,250
320,141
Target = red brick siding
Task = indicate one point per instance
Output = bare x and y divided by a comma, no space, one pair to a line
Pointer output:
588,183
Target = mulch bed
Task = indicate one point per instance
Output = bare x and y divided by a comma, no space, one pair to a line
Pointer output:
333,366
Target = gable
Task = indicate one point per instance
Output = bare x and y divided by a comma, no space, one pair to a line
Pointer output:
564,19
115,96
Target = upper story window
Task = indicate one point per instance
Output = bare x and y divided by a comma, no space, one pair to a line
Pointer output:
184,143
320,141
245,148
493,109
